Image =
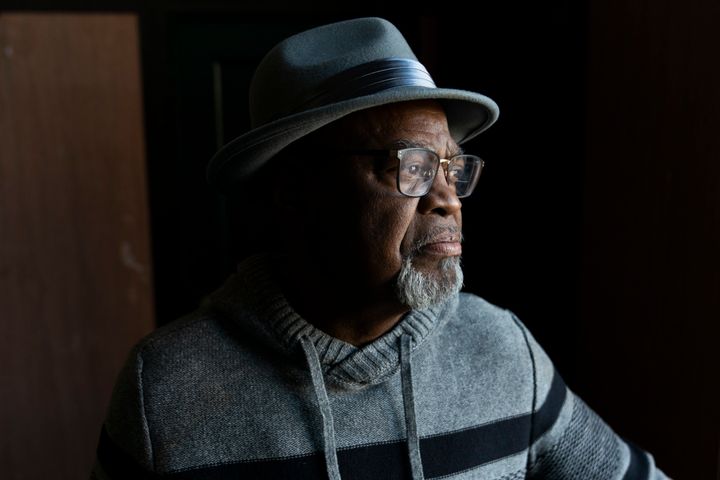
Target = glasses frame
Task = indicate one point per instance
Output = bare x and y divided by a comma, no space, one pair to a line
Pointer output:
442,162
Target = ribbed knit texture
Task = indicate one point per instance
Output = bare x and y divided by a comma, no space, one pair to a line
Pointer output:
246,388
343,362
595,448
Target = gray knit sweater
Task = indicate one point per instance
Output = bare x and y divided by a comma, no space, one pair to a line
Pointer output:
246,388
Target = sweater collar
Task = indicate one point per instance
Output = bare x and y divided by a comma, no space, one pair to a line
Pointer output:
254,288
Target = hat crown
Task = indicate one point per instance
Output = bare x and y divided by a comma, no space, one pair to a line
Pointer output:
296,68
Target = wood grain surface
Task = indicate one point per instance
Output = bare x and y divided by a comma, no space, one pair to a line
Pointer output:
75,273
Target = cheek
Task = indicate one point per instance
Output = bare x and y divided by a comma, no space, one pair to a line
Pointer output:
383,217
386,222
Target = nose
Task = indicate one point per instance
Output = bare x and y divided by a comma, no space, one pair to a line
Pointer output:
441,199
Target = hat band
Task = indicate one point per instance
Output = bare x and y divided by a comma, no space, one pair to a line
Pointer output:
367,79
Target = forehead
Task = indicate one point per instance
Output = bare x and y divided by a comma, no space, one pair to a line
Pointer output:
420,122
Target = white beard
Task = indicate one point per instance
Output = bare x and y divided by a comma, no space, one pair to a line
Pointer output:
419,291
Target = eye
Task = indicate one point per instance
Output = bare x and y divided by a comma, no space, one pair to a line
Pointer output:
410,169
455,172
418,170
413,169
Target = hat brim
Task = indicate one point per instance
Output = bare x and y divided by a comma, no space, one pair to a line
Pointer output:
468,114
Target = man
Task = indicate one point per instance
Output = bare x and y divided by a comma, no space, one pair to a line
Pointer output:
348,351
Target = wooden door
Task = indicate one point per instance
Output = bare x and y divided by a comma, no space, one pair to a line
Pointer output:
75,276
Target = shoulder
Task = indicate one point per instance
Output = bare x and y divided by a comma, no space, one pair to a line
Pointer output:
488,339
478,320
477,309
183,347
488,331
189,332
481,355
154,363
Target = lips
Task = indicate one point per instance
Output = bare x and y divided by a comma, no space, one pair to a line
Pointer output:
446,246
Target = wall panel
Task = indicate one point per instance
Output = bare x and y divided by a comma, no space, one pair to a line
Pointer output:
651,284
75,274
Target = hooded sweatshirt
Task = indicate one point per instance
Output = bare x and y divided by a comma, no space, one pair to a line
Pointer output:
246,388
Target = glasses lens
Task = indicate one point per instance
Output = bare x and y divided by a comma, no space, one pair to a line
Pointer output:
464,172
417,170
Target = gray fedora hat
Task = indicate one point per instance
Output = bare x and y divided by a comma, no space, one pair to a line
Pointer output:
318,76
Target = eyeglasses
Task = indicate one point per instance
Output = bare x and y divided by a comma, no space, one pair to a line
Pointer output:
418,167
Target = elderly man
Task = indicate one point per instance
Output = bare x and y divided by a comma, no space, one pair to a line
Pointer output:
348,351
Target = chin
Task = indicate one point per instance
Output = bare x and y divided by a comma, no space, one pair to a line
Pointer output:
420,285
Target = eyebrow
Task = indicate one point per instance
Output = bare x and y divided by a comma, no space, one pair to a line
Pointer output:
405,143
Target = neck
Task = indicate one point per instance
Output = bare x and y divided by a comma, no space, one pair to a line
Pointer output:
353,313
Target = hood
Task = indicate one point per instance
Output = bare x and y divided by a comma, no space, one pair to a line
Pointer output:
253,300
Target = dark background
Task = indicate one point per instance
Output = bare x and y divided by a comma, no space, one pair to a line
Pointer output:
585,216
523,227
597,219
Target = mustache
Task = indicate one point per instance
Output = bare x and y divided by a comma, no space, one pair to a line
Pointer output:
447,233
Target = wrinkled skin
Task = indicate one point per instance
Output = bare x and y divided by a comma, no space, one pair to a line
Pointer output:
350,226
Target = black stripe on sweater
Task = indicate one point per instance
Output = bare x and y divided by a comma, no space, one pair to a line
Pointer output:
546,416
639,467
116,462
458,451
442,454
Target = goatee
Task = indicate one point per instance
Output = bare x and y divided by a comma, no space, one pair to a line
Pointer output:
419,290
